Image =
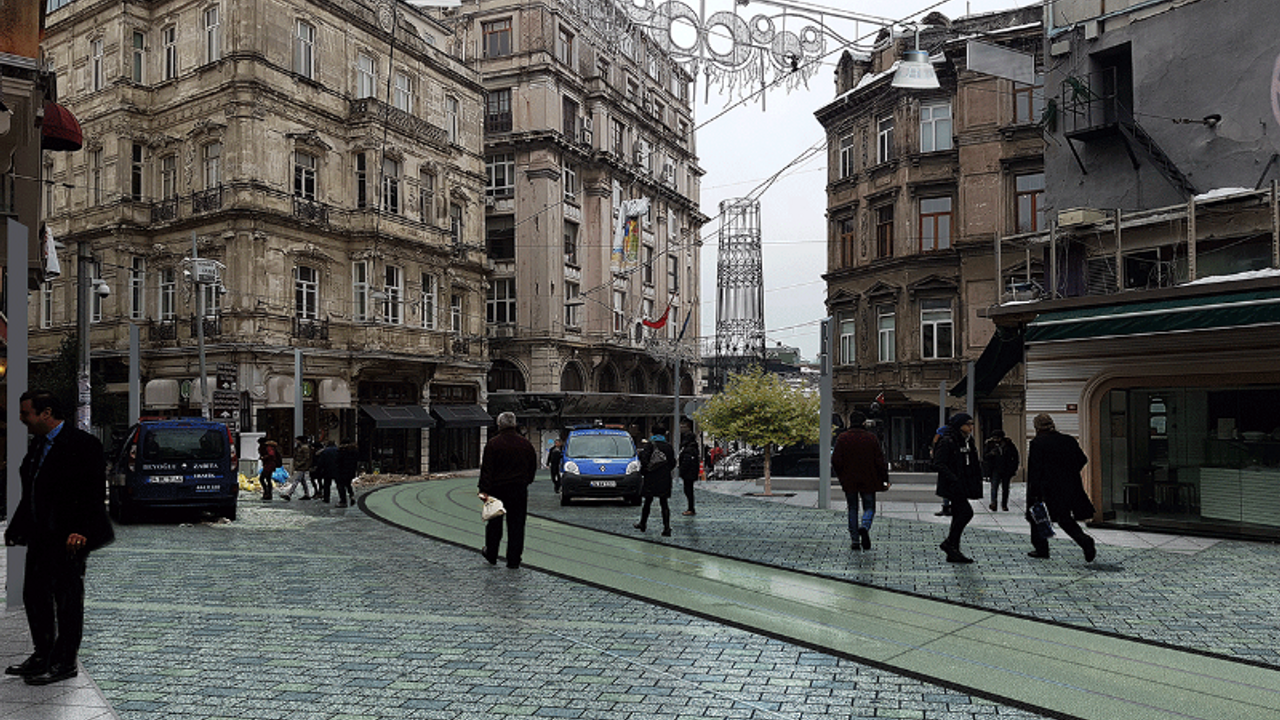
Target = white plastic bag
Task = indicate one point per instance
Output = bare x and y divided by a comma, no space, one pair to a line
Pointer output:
492,508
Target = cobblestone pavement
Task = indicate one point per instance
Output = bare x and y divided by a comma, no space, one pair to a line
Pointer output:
303,610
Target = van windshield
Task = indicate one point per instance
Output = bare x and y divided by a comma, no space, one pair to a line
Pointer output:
600,446
167,444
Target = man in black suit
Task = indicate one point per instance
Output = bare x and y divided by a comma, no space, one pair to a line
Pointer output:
60,518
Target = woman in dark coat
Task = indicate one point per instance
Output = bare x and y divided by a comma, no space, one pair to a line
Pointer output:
657,460
959,479
1054,462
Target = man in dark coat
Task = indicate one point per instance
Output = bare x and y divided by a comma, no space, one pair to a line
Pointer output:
1000,458
689,464
858,462
507,468
657,460
347,467
1054,462
959,467
61,518
326,469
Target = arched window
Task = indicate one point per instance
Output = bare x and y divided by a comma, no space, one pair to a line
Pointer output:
504,375
686,386
636,383
608,379
662,383
571,379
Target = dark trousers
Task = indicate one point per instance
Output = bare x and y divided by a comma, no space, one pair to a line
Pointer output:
666,512
555,477
53,593
264,479
961,514
688,492
345,493
996,484
516,504
1070,527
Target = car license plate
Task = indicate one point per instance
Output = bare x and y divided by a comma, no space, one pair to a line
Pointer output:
157,479
604,483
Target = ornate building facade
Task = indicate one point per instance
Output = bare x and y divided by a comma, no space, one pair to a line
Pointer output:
328,158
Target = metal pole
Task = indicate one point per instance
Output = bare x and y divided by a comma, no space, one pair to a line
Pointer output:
84,395
297,393
16,380
942,403
675,415
135,373
968,390
204,374
824,414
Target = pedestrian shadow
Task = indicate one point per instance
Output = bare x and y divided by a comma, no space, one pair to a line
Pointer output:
1105,567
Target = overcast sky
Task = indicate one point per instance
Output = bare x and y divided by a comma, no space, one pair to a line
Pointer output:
749,144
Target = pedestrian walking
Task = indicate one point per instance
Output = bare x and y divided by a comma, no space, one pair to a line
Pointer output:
1054,462
61,517
507,468
346,463
945,510
959,479
689,465
1000,460
270,459
859,463
303,461
555,457
657,460
325,470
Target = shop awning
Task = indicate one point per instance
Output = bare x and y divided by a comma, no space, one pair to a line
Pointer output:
1002,354
1208,312
462,416
60,130
399,417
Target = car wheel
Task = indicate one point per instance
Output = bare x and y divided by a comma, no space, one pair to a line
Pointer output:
229,512
564,497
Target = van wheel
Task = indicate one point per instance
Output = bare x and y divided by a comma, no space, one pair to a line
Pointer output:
229,512
564,497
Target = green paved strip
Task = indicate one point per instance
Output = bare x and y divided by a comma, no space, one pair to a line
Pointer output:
1049,668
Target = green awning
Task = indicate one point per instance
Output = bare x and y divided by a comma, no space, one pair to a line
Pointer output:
1208,312
1002,354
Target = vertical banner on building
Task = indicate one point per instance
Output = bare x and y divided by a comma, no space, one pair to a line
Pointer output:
627,238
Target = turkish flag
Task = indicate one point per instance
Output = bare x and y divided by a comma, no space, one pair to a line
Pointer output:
660,322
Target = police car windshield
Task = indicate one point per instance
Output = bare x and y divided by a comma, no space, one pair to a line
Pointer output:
600,446
163,444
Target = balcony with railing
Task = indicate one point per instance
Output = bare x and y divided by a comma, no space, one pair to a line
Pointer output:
372,110
310,328
310,210
203,201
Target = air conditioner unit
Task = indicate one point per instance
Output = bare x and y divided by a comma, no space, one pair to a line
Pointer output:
488,201
1081,216
585,137
640,157
587,124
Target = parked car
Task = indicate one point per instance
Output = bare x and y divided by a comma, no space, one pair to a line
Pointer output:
174,464
600,462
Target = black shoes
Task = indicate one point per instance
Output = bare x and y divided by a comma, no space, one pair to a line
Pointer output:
34,665
491,559
943,511
55,673
953,553
1090,551
1038,554
865,537
639,527
666,532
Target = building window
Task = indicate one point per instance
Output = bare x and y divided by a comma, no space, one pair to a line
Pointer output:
500,237
139,64
619,138
95,177
935,126
497,116
500,301
935,224
95,64
496,38
569,118
646,309
455,224
360,291
935,329
564,47
1029,202
846,155
304,45
46,305
455,314
646,264
366,77
306,292
572,309
570,243
168,293
212,162
430,300
426,195
451,118
168,177
137,282
1028,101
403,98
884,231
848,241
619,311
887,333
137,174
212,297
673,274
304,176
95,302
570,184
393,286
848,343
884,140
362,180
502,175
391,186
169,38
212,35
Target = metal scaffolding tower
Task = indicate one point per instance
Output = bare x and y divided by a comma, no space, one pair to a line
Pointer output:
739,291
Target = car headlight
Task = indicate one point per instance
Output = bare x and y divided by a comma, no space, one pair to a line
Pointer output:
633,467
571,467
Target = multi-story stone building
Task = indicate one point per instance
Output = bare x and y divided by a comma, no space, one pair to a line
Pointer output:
585,120
329,158
921,184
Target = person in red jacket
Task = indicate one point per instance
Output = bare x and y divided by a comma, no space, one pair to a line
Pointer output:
858,462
